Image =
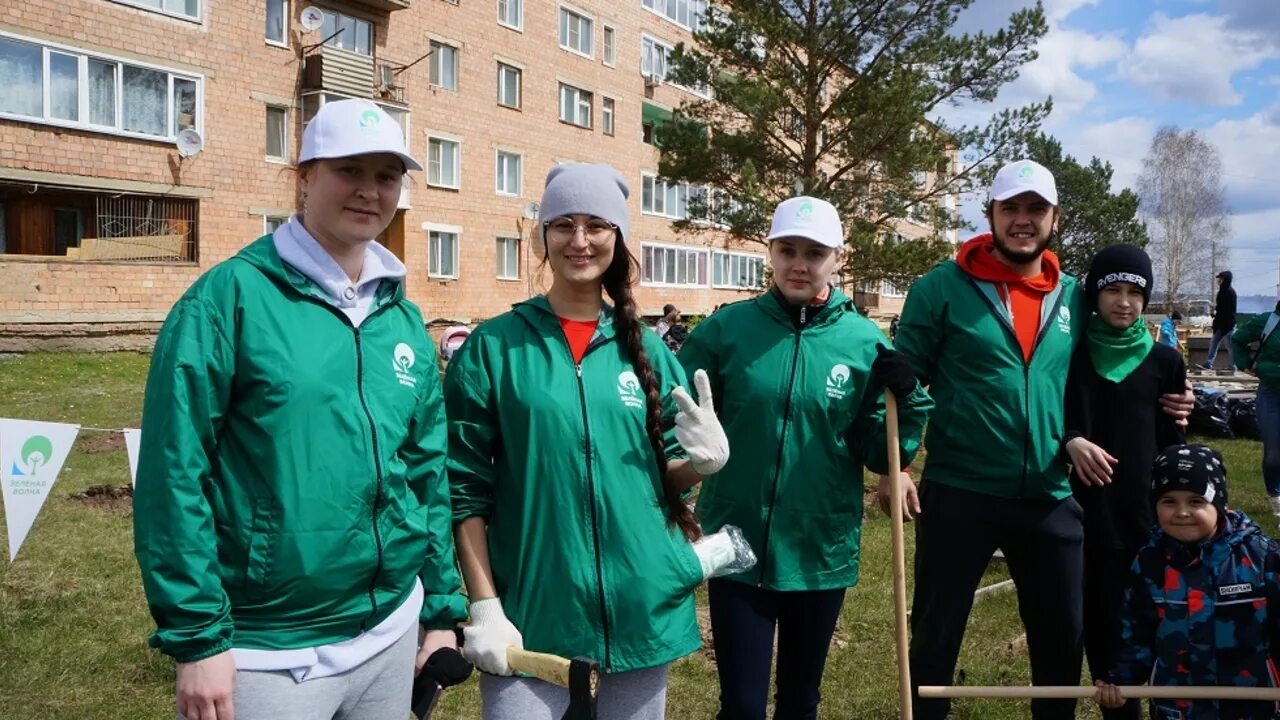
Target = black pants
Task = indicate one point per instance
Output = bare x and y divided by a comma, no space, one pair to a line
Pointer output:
956,534
1106,573
743,619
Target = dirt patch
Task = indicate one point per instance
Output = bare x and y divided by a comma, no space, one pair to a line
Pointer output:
100,442
116,499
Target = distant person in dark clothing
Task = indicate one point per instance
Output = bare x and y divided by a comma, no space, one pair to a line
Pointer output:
1114,430
670,316
1224,319
893,328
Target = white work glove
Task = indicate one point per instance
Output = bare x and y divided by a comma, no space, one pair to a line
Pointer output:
488,635
724,552
698,429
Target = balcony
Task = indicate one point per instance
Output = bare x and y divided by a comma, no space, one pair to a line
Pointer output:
339,71
384,5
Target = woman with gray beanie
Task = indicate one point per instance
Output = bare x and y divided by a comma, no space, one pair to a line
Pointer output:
568,437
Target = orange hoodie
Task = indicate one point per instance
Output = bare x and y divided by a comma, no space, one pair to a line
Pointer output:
1024,295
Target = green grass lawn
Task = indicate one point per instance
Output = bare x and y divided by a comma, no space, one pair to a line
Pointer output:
73,622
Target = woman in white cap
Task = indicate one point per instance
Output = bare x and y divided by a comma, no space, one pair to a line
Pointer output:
291,515
799,375
567,476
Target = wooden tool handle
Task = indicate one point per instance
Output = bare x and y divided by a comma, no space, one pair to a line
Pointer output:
899,552
1136,692
549,668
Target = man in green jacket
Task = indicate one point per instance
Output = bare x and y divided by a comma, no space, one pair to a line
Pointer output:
991,334
1256,345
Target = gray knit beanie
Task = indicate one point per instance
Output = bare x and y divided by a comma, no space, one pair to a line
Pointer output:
579,188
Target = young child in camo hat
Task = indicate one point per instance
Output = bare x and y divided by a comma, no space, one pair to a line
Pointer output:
1203,599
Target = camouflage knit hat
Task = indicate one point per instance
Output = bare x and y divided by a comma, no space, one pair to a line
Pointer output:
1190,467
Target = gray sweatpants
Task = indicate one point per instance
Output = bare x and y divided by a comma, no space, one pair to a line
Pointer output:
380,689
634,695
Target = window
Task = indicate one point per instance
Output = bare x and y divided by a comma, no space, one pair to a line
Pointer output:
658,197
444,66
575,106
353,34
443,163
68,229
511,13
277,133
609,45
442,251
508,258
673,265
688,14
655,57
277,21
182,8
509,86
97,93
575,32
271,222
507,173
606,115
736,270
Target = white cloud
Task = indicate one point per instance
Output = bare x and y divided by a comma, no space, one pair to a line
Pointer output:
1054,71
1250,150
1255,252
1122,142
1193,58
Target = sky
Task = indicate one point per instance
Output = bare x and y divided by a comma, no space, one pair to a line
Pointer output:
1120,69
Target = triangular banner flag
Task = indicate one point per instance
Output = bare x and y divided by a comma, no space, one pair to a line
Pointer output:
131,439
31,456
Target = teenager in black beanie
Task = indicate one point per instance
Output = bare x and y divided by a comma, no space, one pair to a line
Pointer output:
1114,429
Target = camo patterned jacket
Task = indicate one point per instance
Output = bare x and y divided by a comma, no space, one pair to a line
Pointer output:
1204,615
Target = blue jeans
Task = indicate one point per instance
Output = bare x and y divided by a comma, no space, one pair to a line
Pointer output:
1220,337
1268,409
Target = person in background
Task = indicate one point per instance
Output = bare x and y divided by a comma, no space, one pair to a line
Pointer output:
291,516
1257,346
670,316
1224,320
1169,329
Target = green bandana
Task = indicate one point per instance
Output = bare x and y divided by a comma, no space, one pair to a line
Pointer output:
1116,353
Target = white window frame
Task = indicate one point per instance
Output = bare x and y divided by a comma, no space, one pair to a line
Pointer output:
179,15
518,26
608,50
519,71
686,250
266,222
578,94
681,197
499,175
583,17
660,7
284,137
608,115
373,32
456,231
284,30
499,240
663,50
457,163
84,111
728,257
435,64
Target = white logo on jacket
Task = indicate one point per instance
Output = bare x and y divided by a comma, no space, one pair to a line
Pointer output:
1064,319
629,389
403,358
838,382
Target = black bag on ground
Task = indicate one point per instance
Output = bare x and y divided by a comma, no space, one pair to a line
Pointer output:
1211,416
1244,418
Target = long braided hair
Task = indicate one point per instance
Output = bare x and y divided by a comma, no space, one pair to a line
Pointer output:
618,280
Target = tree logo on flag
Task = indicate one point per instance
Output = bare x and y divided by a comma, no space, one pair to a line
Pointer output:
36,452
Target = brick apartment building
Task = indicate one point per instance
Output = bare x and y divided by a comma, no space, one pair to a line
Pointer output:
104,222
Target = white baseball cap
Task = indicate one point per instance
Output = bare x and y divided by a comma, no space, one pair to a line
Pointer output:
1024,176
344,128
807,217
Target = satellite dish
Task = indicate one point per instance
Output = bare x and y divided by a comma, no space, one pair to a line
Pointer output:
531,211
311,18
189,143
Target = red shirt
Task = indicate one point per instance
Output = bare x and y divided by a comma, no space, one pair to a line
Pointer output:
578,333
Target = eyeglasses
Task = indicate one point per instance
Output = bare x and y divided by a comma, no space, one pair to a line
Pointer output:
596,230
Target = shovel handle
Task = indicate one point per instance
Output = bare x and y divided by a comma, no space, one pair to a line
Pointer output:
546,667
